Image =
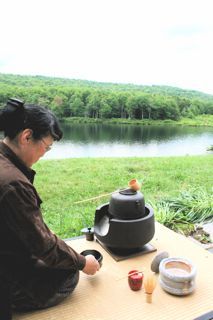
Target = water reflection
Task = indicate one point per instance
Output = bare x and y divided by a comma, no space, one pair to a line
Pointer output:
126,133
95,140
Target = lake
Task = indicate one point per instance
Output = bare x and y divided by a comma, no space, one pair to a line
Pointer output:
105,140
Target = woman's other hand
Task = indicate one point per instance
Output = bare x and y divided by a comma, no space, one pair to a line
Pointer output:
92,265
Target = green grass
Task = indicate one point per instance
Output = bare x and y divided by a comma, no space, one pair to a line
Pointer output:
60,183
182,213
201,120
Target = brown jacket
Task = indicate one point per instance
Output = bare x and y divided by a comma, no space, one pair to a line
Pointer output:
25,238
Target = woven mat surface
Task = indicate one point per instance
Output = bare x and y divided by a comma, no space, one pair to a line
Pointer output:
106,296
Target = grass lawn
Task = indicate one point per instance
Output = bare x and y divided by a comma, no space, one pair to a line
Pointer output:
60,183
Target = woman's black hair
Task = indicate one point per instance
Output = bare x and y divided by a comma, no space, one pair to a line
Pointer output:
17,116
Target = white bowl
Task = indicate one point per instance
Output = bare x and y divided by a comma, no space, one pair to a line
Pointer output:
177,276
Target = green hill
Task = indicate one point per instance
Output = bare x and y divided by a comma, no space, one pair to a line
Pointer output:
43,81
100,100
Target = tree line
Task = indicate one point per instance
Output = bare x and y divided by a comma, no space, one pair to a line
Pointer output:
79,98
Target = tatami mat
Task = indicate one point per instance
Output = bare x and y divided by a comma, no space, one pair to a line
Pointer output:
106,296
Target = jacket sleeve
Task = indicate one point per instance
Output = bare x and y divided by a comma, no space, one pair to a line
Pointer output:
23,217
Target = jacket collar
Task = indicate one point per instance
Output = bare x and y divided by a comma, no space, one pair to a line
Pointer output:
9,154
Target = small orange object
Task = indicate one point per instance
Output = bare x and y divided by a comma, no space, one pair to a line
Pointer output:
149,286
134,184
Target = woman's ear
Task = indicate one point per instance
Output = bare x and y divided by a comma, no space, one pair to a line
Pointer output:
25,136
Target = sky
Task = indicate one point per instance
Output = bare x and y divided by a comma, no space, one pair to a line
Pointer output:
147,42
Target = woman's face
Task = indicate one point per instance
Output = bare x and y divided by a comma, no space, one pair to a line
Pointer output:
29,149
36,149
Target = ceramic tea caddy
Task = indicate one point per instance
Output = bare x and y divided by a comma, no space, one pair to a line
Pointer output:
135,279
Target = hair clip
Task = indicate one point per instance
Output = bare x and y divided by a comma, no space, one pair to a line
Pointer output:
15,103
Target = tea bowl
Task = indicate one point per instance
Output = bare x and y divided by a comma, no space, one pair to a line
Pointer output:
98,256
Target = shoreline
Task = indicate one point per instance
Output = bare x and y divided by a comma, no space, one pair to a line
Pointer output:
199,121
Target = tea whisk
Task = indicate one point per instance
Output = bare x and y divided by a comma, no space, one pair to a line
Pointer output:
149,286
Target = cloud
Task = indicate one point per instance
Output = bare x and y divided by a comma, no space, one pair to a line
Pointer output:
147,42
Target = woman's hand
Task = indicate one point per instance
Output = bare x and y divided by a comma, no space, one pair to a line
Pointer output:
92,265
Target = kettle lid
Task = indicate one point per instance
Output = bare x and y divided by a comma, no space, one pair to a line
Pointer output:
127,192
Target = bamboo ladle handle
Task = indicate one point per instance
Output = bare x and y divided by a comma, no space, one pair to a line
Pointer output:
133,184
94,198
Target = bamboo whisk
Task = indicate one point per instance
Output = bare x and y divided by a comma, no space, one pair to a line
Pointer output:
149,286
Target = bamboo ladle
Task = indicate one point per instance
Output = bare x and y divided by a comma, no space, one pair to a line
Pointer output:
133,184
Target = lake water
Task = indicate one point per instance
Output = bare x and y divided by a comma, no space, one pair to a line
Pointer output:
101,140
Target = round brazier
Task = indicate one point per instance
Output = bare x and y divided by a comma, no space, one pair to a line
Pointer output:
177,276
124,234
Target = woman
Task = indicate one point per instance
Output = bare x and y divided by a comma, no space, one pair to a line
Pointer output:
37,269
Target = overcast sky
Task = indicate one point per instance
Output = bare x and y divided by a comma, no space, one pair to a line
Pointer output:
161,42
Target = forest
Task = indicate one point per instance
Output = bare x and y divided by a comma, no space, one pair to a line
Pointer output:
82,98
